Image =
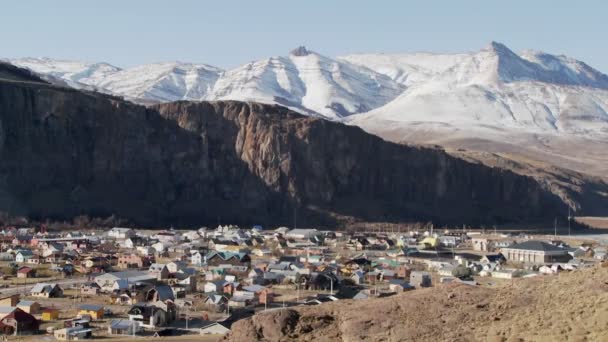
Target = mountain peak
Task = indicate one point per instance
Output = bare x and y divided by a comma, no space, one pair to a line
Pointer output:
499,48
300,51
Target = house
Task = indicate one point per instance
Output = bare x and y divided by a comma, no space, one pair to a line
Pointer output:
52,248
148,315
553,269
95,262
184,281
119,286
94,311
215,328
241,300
301,234
126,261
26,272
72,333
124,327
107,281
492,259
217,301
5,256
159,270
420,279
19,321
9,301
121,233
223,258
600,253
399,285
449,240
90,289
29,306
214,286
535,252
196,258
50,314
121,298
5,310
229,287
146,250
263,294
506,274
83,321
46,290
176,266
35,260
154,293
358,277
23,256
53,258
168,237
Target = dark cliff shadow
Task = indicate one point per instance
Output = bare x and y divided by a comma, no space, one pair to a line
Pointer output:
68,153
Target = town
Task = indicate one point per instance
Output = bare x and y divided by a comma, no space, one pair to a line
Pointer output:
125,282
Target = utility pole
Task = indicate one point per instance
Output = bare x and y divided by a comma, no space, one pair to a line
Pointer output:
569,219
555,227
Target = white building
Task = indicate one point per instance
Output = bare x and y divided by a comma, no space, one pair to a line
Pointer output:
535,252
196,258
301,234
121,233
215,328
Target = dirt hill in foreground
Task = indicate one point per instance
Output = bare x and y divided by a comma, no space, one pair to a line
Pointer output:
570,306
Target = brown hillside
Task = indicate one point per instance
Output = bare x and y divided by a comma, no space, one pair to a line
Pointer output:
570,306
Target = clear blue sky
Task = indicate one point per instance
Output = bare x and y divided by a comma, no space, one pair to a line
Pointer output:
228,33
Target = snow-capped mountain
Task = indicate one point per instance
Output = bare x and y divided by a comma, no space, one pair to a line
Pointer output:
407,69
310,82
496,88
160,82
532,103
493,88
75,74
304,81
163,82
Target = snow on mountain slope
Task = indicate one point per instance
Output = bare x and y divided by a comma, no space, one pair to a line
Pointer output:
493,87
310,82
497,88
573,71
163,82
159,82
75,74
407,69
304,81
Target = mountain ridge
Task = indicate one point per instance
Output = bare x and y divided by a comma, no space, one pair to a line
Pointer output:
67,152
488,100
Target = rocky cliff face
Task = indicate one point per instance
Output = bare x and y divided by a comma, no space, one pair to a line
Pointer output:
66,153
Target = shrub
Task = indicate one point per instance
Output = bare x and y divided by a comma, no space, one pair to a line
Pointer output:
462,272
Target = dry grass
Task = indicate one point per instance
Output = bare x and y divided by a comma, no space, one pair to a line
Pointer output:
594,222
567,307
